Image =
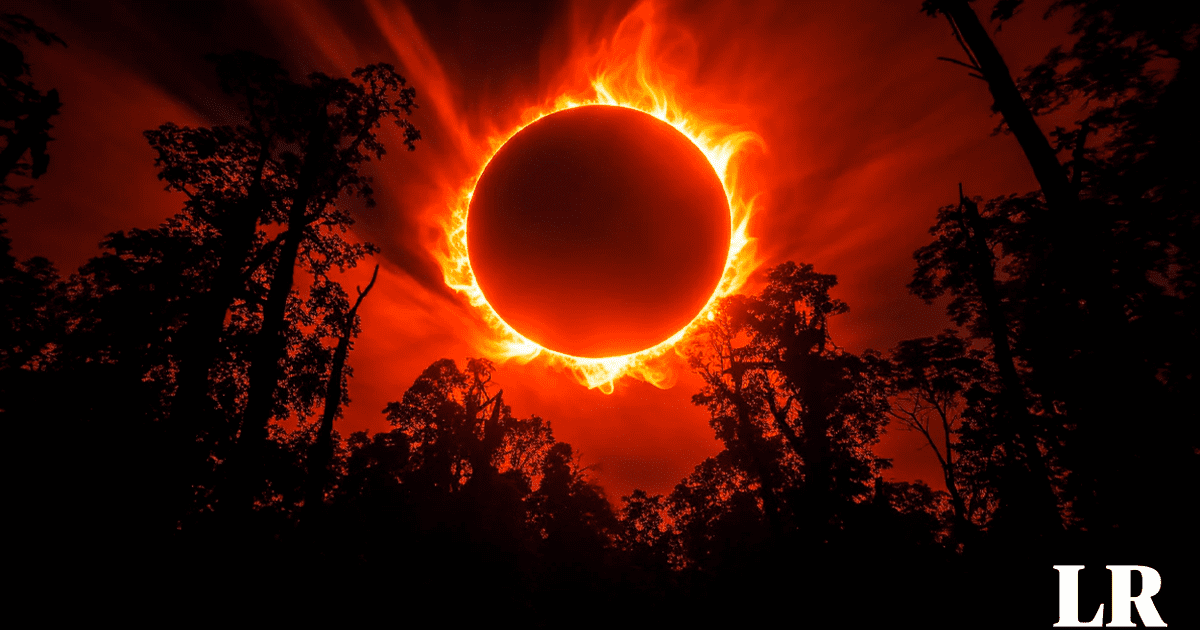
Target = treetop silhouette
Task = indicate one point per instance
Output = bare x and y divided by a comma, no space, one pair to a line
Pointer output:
25,111
265,193
173,404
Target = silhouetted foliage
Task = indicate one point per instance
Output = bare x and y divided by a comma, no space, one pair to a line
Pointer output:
321,455
175,400
172,335
281,170
1085,286
966,260
33,317
797,414
25,111
936,380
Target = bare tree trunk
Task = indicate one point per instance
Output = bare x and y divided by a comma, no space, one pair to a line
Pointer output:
264,371
950,475
912,419
816,451
1078,266
1007,100
805,367
322,451
483,472
270,343
201,336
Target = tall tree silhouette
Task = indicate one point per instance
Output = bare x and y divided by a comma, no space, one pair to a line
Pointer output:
782,395
33,312
962,262
321,454
232,185
934,377
1127,72
27,289
298,149
334,123
1098,275
984,59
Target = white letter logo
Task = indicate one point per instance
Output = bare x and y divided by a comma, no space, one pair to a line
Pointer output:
1068,599
1122,597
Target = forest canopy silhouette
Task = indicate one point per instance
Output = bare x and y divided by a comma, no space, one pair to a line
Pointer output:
175,401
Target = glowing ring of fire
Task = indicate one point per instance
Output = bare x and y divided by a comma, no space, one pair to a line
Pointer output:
717,142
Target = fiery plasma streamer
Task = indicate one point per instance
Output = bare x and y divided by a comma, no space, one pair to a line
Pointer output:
622,72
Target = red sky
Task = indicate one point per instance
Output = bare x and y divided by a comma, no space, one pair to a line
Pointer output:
865,132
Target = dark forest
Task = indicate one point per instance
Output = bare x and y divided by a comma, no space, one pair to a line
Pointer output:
173,404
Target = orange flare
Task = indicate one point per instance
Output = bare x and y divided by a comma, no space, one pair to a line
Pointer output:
622,72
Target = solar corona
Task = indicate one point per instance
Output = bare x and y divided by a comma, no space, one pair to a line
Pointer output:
598,231
597,234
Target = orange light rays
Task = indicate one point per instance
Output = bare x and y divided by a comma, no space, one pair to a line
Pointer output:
621,75
319,28
421,63
627,69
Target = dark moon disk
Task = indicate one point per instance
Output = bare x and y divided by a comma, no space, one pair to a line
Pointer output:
598,231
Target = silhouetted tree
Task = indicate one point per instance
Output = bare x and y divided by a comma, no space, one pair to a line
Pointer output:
719,526
472,466
334,122
569,511
962,261
1091,281
482,490
462,435
933,378
1130,73
173,336
369,501
25,111
794,410
299,147
321,454
913,514
643,531
985,61
29,290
